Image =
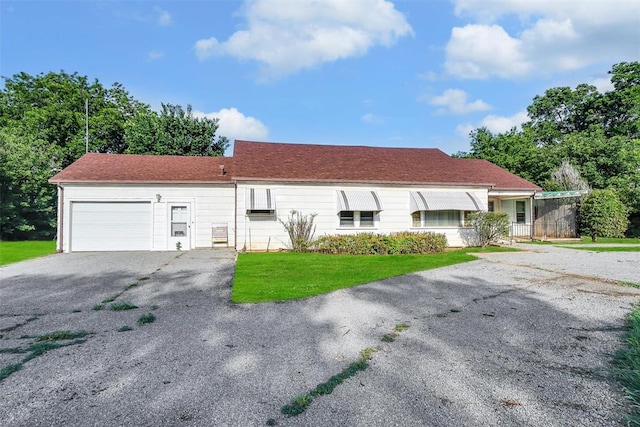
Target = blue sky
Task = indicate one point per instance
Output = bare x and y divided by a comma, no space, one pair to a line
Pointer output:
404,73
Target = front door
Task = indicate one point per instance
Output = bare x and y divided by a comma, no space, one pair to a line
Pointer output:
179,227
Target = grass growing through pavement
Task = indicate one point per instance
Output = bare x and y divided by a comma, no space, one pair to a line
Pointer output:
146,318
41,345
122,306
11,252
300,403
627,369
277,276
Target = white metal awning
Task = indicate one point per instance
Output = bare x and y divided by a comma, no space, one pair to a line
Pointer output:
260,199
444,201
355,200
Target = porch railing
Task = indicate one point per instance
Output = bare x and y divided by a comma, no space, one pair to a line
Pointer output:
520,230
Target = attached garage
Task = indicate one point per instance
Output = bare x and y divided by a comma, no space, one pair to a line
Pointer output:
111,226
128,202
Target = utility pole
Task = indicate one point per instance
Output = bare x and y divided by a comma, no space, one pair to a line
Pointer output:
86,125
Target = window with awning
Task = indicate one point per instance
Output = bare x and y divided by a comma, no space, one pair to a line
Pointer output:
260,201
357,200
444,201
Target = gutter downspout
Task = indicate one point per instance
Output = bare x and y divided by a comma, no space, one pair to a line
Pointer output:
59,244
235,215
533,222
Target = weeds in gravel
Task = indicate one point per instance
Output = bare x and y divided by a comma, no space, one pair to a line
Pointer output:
387,338
401,327
122,306
146,318
627,366
32,318
140,279
97,307
9,369
112,298
12,350
41,345
300,403
61,335
125,328
628,284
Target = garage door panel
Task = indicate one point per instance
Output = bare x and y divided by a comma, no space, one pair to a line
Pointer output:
110,226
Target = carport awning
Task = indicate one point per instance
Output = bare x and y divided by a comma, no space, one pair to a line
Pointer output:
260,199
444,201
356,200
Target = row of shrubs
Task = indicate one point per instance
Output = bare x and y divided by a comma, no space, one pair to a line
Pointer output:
382,244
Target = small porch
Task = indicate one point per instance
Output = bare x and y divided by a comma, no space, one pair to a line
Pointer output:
542,215
519,207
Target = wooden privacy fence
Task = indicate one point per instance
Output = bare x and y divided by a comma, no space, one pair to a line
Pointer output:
559,229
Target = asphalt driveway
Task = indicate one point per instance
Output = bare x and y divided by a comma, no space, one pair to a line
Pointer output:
510,340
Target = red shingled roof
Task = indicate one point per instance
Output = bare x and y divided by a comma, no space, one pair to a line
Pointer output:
298,163
129,168
358,164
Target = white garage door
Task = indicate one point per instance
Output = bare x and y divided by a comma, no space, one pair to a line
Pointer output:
110,226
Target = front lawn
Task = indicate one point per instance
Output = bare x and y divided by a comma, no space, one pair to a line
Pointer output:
11,252
278,276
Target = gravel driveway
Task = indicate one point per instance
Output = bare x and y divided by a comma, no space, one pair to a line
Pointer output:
512,339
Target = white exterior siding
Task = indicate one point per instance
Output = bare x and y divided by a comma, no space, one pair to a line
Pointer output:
208,204
257,232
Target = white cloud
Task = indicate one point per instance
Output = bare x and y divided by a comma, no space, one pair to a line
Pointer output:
235,125
164,18
287,36
546,36
155,54
372,119
603,84
455,101
496,124
500,124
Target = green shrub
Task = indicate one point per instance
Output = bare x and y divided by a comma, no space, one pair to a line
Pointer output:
382,244
488,226
602,214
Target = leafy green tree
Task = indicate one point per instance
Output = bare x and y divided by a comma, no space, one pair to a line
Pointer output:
51,107
173,132
621,106
603,215
562,111
27,201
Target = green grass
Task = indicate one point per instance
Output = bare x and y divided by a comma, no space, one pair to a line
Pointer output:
122,306
587,241
62,335
11,252
627,368
604,248
278,276
146,318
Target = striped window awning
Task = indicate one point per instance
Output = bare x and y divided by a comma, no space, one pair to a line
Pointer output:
444,201
260,199
354,200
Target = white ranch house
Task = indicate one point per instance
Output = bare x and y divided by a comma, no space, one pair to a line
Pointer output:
113,202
